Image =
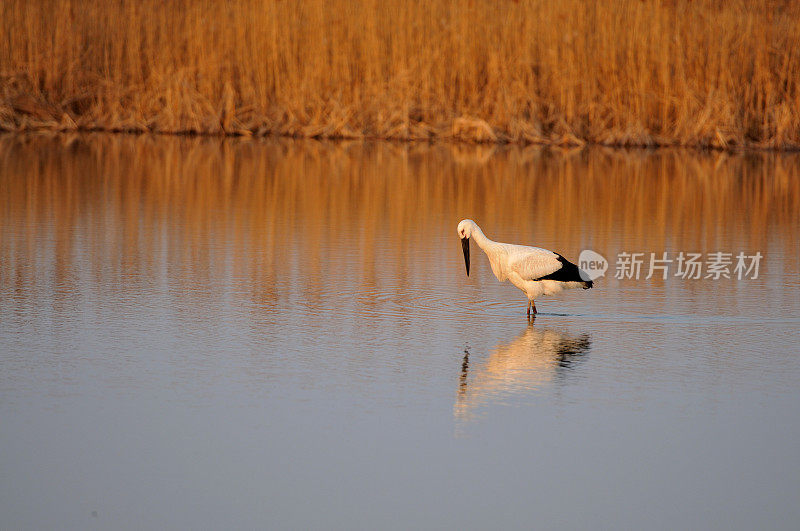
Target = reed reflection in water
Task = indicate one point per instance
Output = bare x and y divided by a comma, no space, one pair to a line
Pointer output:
318,220
278,329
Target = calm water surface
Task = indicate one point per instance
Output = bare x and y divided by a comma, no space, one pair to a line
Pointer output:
198,333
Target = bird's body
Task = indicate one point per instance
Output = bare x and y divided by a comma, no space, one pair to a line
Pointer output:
533,270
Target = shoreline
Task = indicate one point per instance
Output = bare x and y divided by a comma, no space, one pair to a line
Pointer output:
572,142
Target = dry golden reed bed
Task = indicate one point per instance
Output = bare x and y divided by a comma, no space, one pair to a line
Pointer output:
616,72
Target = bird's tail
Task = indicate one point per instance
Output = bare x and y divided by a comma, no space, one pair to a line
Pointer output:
588,284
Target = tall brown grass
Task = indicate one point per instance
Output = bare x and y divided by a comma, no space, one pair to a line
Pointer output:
616,72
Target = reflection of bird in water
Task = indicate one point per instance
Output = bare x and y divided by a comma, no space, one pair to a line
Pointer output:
532,359
534,270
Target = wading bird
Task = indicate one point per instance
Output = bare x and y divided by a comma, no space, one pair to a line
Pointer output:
534,270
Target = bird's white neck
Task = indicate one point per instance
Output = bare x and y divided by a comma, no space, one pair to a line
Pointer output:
480,238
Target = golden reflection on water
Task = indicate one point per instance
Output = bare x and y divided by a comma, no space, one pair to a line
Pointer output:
366,230
260,199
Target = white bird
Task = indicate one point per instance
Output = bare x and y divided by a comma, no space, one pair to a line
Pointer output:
534,270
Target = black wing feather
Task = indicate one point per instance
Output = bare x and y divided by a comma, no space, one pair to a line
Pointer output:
568,272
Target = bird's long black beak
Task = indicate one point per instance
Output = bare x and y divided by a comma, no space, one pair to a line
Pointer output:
465,248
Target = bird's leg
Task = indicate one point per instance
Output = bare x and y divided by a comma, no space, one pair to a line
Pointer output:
529,308
533,307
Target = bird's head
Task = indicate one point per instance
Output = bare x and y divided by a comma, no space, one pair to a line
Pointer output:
465,228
